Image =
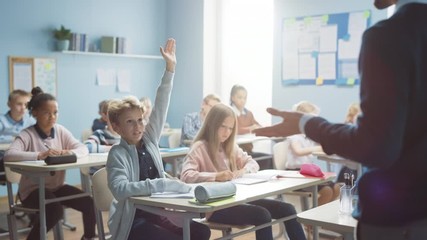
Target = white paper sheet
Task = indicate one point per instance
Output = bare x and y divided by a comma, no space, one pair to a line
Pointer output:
123,80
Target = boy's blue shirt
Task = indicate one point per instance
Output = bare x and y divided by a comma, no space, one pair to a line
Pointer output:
10,128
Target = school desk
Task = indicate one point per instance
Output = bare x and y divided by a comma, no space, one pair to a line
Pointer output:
329,217
4,146
337,159
186,209
38,170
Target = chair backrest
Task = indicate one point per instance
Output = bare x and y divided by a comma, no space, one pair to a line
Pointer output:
101,193
280,151
86,134
174,139
12,177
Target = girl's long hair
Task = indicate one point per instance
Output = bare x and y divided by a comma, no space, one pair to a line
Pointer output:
209,133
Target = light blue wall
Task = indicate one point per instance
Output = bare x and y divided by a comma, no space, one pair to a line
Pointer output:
185,24
333,101
25,30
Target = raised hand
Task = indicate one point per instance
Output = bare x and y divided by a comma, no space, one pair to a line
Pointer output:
168,54
289,125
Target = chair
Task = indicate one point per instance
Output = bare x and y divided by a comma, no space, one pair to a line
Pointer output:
15,206
279,159
86,134
174,139
102,197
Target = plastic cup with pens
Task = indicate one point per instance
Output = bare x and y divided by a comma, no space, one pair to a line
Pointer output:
348,195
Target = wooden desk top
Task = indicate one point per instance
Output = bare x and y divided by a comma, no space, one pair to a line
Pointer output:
328,216
244,194
40,166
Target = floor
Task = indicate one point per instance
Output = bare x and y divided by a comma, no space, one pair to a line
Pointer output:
74,217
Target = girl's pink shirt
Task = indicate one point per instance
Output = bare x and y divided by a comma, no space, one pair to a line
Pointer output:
198,167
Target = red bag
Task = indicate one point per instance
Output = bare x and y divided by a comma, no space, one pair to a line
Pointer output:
311,170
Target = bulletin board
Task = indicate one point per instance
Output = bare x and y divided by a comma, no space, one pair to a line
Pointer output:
323,49
28,72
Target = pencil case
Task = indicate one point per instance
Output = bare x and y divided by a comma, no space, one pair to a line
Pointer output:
214,191
61,159
311,170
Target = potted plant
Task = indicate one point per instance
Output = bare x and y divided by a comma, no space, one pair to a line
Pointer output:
62,37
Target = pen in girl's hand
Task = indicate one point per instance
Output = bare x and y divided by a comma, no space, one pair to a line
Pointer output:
47,146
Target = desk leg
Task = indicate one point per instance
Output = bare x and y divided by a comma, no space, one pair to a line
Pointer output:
315,228
42,208
186,229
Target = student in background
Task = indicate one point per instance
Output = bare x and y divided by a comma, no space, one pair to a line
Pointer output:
300,152
135,168
352,113
101,123
193,121
215,157
47,138
102,140
245,119
17,118
246,122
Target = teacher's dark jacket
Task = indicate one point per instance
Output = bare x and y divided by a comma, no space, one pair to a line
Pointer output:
391,135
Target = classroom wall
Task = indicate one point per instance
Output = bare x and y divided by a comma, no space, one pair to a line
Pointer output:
332,100
26,31
184,22
26,26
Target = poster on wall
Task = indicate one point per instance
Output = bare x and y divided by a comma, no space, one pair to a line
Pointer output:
28,72
45,74
322,50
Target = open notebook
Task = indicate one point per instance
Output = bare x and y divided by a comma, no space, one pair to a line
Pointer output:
269,174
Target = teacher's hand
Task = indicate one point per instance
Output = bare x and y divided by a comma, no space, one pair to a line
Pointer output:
289,125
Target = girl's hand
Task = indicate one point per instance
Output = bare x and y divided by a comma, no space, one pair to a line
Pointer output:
168,54
239,173
66,152
224,176
50,152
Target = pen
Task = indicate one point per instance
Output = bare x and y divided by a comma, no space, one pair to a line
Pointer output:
47,146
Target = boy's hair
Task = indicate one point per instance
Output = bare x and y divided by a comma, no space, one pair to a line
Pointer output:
211,96
18,93
117,106
306,107
234,90
209,133
146,103
38,98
